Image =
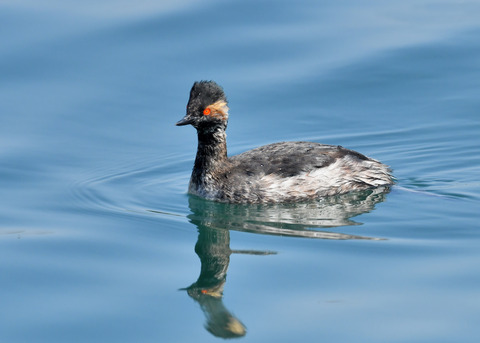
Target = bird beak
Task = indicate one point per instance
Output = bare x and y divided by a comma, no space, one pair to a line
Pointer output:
185,121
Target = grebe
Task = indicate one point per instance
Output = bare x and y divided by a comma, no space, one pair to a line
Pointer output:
274,173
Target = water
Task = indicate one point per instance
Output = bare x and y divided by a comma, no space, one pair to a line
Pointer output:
101,243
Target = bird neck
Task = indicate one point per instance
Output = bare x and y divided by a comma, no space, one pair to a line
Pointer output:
212,149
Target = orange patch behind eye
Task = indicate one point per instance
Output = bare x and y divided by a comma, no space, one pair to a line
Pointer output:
207,111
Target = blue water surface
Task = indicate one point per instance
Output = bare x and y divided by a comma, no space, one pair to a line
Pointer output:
99,241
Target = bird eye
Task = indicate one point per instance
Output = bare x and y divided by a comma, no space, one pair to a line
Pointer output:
207,111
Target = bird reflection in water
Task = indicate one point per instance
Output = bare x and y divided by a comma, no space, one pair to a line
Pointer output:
213,249
215,220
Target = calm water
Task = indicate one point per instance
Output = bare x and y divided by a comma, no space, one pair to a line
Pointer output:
99,241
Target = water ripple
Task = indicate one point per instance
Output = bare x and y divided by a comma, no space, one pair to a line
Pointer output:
152,189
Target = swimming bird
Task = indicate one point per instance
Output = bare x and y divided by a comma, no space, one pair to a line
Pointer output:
274,173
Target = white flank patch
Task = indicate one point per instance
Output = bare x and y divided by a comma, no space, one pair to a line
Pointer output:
346,174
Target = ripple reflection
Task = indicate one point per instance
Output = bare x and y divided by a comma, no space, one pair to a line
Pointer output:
296,219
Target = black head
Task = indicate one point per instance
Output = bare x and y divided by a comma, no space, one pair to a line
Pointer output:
207,106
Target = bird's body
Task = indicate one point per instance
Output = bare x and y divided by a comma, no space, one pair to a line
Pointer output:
279,172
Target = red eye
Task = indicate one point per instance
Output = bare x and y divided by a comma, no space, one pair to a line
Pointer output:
207,111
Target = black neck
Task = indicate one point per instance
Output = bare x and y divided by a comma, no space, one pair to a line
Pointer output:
212,149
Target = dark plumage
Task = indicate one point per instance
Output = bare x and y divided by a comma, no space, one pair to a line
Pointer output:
279,172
